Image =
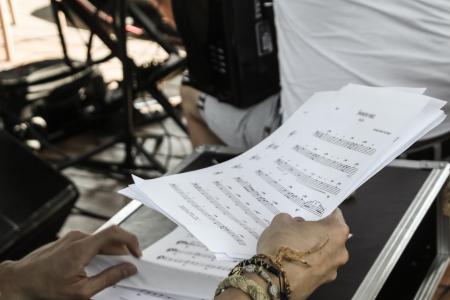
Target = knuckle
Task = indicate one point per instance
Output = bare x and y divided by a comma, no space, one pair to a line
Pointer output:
114,229
134,238
282,218
344,258
332,276
344,231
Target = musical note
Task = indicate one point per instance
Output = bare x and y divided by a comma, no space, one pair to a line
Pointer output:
273,146
255,158
292,133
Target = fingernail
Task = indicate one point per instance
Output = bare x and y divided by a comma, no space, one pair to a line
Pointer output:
130,270
300,219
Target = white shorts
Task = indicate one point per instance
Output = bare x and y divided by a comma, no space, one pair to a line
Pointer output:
240,128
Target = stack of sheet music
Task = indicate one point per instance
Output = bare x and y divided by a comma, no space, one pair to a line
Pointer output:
334,143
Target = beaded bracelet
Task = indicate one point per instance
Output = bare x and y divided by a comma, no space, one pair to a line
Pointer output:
246,285
275,269
272,290
273,264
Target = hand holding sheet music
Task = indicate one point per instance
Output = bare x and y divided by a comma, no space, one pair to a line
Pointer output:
327,149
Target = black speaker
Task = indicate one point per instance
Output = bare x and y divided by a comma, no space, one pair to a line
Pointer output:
231,48
35,200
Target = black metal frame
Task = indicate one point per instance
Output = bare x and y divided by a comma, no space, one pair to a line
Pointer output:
135,78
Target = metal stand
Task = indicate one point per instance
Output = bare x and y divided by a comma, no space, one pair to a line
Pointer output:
135,78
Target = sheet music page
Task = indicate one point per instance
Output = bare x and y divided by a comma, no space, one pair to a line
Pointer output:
181,257
306,168
180,250
176,283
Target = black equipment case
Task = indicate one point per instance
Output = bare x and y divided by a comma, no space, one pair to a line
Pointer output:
231,48
64,96
35,200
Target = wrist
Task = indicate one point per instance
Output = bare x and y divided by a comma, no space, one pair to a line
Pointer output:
10,287
232,293
237,294
298,279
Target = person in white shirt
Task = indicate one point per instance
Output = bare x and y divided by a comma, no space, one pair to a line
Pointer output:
324,45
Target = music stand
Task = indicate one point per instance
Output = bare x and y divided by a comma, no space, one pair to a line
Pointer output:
134,77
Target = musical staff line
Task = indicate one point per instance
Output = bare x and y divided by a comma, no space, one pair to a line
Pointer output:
191,244
239,204
192,263
326,161
210,217
344,143
283,190
260,198
313,207
223,209
308,180
191,253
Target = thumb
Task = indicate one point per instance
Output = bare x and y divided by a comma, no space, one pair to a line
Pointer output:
110,277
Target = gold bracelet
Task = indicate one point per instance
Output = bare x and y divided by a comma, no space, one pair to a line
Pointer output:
246,285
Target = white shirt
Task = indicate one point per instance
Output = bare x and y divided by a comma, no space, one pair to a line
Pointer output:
325,44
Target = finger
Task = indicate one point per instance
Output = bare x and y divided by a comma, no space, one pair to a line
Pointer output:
113,235
282,218
119,249
109,277
299,219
